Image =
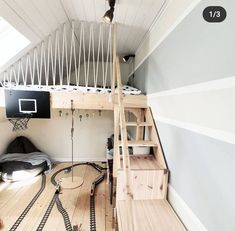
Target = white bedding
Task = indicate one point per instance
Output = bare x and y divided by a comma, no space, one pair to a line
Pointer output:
127,90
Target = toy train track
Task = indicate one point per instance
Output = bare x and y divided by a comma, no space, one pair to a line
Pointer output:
30,205
56,199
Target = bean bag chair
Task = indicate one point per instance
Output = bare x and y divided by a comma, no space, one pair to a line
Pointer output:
23,160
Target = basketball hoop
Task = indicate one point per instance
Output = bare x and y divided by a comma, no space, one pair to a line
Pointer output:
20,123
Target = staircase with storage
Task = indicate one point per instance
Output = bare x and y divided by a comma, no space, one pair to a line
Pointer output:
141,178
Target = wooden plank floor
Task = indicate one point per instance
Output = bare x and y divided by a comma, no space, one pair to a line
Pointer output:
149,215
14,197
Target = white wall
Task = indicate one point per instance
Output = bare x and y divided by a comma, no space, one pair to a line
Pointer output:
174,13
6,134
53,135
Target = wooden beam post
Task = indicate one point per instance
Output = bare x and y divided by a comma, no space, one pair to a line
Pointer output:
125,152
116,153
114,61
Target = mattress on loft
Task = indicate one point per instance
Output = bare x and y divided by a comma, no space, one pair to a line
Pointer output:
127,90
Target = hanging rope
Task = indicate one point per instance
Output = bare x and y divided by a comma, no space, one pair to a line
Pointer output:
54,62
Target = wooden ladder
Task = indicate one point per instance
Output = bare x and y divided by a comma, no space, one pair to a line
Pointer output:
140,180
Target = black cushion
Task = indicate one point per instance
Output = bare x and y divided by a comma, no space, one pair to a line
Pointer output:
21,144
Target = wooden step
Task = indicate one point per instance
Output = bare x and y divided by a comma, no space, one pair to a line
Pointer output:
139,143
142,124
149,178
145,162
149,215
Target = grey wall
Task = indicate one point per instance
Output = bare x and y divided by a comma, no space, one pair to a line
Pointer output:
196,51
202,173
202,168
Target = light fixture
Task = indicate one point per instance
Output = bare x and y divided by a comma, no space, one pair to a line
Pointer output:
108,16
126,58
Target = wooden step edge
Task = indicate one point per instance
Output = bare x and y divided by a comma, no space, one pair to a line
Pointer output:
139,143
146,169
154,167
142,124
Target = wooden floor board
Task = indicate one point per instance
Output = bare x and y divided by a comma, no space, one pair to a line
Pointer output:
15,197
108,210
150,215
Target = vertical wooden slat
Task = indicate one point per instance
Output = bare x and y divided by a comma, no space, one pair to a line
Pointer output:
114,61
116,159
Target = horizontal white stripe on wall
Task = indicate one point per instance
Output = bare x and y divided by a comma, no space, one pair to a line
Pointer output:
228,137
206,108
224,83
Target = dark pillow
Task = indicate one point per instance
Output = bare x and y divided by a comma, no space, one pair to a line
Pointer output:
21,144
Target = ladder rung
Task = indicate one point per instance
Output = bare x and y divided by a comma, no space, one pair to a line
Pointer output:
142,124
139,143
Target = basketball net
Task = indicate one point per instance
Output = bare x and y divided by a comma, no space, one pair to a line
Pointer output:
21,123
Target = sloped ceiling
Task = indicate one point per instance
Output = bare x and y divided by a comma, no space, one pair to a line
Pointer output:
36,19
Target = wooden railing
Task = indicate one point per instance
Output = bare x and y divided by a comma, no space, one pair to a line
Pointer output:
120,122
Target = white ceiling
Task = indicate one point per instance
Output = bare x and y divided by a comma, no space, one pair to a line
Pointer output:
36,19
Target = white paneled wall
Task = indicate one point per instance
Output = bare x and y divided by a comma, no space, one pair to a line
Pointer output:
36,19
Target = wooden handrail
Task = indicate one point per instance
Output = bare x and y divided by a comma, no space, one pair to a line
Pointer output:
116,157
114,61
125,150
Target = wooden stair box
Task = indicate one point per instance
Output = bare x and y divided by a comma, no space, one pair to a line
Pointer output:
148,179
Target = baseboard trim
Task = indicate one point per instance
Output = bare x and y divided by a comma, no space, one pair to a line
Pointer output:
189,219
66,159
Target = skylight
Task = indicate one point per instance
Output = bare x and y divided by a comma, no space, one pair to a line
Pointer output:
11,42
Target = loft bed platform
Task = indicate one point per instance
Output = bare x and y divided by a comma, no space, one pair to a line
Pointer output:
102,100
95,100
